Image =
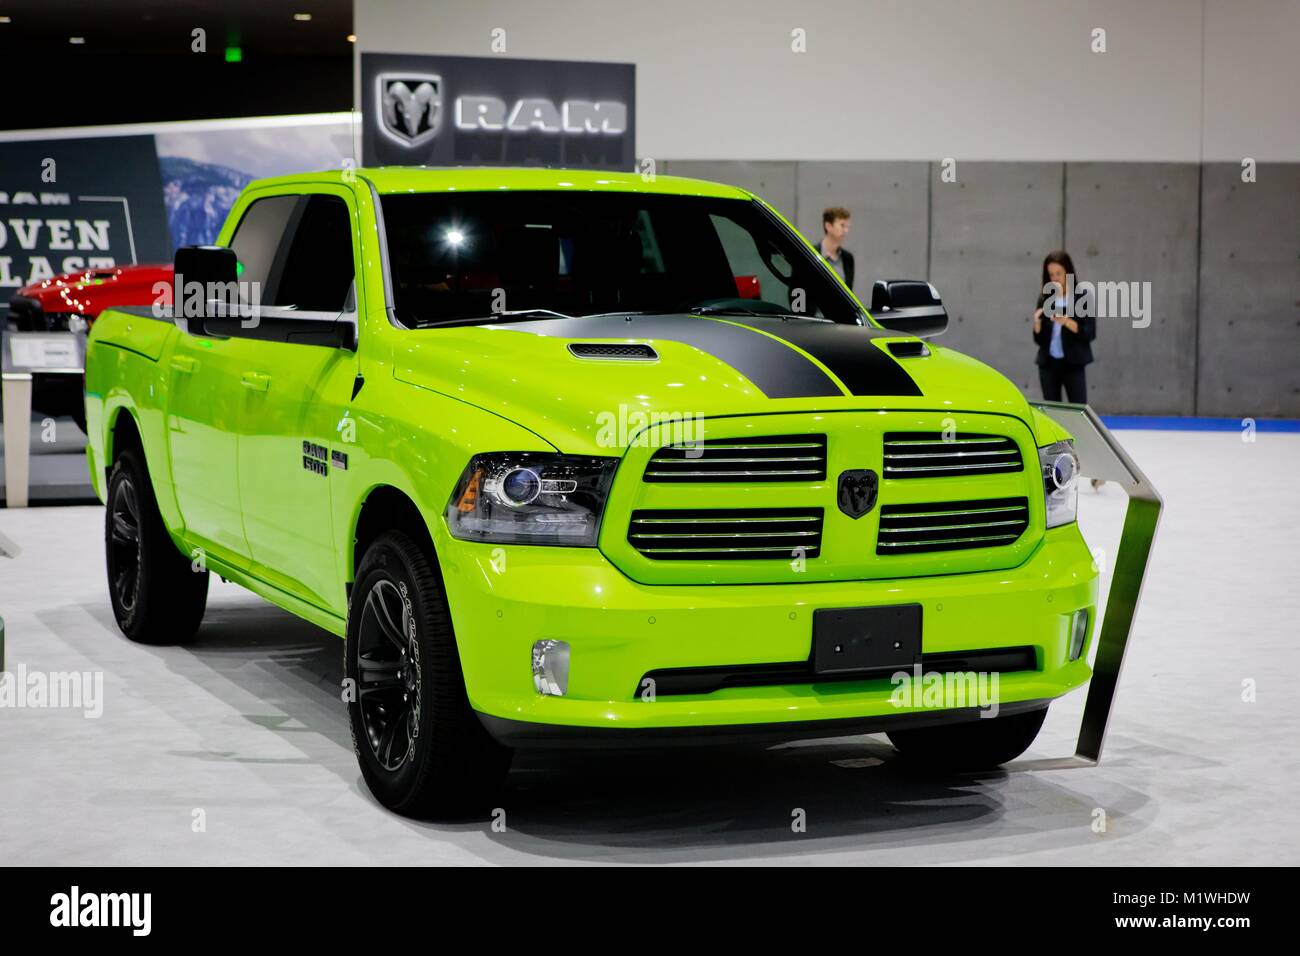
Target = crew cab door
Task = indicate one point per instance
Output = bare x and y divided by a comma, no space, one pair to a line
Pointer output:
204,415
294,397
207,406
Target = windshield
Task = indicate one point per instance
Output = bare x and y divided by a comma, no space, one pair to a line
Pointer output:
469,256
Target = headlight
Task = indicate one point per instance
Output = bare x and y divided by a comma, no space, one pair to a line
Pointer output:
1060,467
531,497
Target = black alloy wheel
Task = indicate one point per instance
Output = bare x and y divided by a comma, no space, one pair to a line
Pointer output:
389,665
125,550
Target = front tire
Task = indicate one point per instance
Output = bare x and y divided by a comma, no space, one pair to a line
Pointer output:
157,596
421,749
979,744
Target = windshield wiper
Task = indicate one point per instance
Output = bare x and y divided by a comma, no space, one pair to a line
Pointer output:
709,310
760,313
727,310
536,314
499,316
606,315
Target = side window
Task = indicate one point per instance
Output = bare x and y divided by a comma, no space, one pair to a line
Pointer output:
760,273
258,238
299,251
318,269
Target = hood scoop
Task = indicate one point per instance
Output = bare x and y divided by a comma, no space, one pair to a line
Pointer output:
613,351
908,349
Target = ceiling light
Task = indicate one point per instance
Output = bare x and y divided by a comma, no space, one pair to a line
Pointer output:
352,38
302,17
77,40
6,20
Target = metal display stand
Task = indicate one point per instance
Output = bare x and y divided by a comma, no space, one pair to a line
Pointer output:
17,398
21,354
1100,456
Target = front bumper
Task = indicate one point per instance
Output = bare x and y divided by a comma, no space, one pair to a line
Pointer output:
503,599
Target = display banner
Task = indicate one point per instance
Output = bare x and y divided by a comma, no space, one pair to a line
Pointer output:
205,165
96,198
493,111
69,205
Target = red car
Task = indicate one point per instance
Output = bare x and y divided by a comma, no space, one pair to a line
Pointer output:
71,302
51,304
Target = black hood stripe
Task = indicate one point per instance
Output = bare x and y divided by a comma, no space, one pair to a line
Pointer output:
753,346
847,350
777,370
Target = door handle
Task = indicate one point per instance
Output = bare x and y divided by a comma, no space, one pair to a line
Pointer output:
183,363
257,381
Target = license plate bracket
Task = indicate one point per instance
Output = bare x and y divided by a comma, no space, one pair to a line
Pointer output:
864,639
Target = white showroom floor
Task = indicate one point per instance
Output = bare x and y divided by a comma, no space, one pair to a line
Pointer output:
246,726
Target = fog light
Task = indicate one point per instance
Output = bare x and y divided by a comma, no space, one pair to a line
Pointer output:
1078,633
551,668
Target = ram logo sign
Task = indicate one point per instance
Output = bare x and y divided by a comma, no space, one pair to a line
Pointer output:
496,111
410,106
541,115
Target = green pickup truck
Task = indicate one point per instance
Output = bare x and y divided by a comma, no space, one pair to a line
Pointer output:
586,459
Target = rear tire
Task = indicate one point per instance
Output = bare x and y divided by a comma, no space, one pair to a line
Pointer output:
421,748
979,744
157,596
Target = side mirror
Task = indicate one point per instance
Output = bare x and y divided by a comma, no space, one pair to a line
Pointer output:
202,274
910,306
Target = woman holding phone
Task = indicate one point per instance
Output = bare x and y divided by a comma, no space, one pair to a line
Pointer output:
1063,331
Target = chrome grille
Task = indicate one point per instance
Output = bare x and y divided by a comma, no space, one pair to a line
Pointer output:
929,455
951,525
728,534
770,458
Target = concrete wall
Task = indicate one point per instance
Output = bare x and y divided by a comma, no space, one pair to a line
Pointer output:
1222,258
1248,353
894,193
989,231
1131,222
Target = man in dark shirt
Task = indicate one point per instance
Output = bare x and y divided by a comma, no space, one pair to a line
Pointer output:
835,229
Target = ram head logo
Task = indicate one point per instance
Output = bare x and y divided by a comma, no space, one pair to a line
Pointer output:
857,492
410,106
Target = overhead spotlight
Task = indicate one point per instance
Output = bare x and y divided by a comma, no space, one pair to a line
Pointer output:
352,38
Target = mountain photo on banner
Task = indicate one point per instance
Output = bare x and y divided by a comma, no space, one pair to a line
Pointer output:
204,169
